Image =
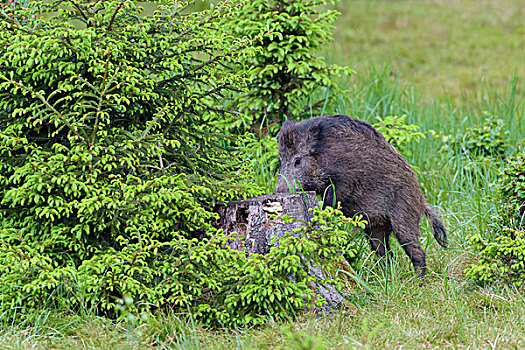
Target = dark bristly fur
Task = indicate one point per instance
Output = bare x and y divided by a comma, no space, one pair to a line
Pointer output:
369,177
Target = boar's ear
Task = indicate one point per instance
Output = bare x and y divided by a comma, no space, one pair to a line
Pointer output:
315,137
286,134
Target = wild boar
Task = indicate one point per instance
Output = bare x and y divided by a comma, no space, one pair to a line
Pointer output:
348,161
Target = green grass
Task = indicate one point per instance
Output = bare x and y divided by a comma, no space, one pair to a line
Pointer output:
444,48
447,312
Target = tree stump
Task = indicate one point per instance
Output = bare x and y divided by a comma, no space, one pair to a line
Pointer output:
252,219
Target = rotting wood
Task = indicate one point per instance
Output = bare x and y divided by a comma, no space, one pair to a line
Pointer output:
252,219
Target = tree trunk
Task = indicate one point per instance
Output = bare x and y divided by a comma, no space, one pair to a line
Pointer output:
251,219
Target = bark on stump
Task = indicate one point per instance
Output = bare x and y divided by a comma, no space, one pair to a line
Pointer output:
251,219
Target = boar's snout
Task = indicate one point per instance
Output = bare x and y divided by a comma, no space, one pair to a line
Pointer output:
282,185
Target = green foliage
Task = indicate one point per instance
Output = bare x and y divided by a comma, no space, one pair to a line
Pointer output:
278,284
286,71
503,258
488,140
112,160
108,168
398,133
511,187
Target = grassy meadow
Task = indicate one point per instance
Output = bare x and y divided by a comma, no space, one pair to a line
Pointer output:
443,48
445,64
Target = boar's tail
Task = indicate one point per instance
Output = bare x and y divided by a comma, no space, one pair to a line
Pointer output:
440,234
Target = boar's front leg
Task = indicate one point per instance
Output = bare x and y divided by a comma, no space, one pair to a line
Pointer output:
329,198
378,236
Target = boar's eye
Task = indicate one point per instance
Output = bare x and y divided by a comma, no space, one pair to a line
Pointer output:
297,162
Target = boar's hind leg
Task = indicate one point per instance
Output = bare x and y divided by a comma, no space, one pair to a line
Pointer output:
378,236
407,235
